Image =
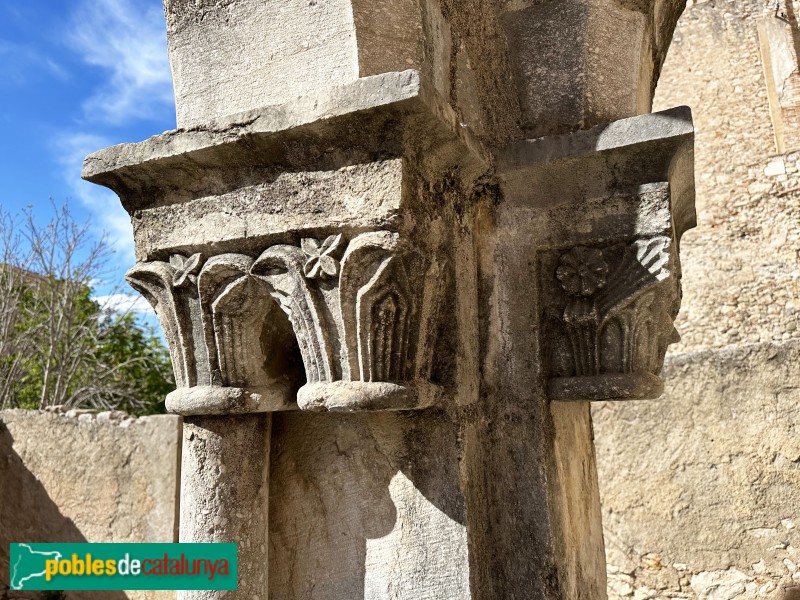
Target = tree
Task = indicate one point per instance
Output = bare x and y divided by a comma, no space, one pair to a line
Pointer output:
58,345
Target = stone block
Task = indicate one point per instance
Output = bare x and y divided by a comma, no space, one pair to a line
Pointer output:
88,478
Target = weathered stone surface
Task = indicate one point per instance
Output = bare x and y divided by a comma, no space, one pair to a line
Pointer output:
581,63
360,306
744,281
399,234
706,507
366,506
604,225
69,477
218,305
234,56
507,68
224,493
699,489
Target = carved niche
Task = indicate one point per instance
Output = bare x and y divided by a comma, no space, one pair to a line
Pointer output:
609,317
363,314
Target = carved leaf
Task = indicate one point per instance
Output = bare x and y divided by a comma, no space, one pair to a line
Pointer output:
383,310
154,281
328,265
185,268
224,300
282,268
643,264
310,246
320,260
376,305
606,320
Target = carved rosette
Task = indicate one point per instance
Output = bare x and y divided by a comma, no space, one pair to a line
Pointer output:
362,314
611,318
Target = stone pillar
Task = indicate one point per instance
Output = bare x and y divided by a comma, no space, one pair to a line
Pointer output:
360,229
225,492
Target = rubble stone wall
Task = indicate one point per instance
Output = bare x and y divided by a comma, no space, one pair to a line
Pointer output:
700,488
741,277
85,477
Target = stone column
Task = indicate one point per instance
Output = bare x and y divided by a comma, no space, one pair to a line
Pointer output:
359,229
225,492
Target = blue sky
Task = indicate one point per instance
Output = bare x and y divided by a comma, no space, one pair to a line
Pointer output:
77,76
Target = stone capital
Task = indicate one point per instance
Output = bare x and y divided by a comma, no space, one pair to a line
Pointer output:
268,275
605,208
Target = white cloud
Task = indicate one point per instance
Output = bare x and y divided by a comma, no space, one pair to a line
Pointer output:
102,203
126,38
129,40
19,61
125,303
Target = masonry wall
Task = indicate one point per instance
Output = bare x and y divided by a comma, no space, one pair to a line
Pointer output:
701,489
85,477
741,277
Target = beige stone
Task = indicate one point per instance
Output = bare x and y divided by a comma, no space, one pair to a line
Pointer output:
68,477
712,465
744,250
720,481
420,237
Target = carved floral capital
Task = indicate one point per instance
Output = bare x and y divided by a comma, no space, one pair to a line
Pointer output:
356,310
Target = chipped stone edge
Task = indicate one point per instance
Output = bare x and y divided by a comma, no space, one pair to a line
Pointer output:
212,400
394,89
117,418
352,396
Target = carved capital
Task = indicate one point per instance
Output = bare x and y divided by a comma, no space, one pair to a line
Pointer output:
606,208
362,313
609,299
609,317
213,313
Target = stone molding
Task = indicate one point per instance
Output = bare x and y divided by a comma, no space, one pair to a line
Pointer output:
366,239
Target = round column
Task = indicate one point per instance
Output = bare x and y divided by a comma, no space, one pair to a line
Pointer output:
225,494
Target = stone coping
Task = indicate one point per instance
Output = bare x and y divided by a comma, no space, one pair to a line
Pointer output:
363,94
671,125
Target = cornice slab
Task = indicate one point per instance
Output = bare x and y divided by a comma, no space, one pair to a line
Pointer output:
372,116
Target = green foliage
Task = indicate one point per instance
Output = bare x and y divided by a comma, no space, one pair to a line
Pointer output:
125,367
146,365
59,346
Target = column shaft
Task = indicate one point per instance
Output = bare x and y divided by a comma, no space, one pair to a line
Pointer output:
224,494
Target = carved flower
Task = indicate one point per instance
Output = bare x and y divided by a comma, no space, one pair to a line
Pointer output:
185,268
582,271
320,263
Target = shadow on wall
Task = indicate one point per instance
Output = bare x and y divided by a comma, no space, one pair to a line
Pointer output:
356,501
27,514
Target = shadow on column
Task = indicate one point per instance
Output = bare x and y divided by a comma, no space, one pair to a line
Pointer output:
366,506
